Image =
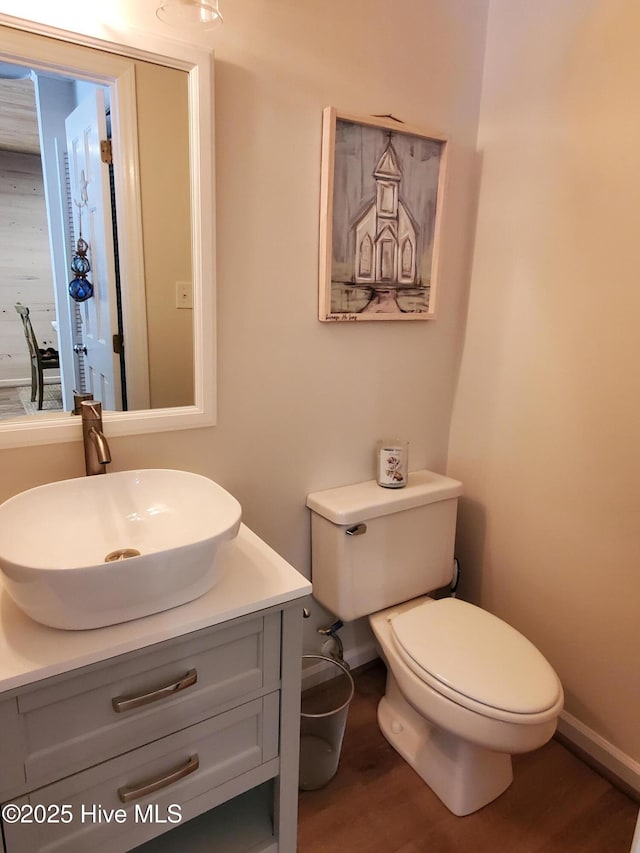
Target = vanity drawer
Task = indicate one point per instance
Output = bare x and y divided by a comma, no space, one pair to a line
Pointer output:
207,755
103,711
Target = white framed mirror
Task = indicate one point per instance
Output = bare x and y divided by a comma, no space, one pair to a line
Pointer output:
159,394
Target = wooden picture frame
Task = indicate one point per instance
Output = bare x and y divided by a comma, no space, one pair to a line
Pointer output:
382,196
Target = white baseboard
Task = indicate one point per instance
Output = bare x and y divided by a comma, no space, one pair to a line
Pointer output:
361,654
318,672
635,844
602,752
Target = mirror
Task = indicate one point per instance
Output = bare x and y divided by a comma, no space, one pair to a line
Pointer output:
160,172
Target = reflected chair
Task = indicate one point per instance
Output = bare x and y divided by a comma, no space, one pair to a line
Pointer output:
41,359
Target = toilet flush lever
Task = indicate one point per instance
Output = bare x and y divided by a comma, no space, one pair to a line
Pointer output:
357,530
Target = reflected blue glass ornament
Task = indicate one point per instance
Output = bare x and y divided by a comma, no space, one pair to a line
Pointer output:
80,265
80,288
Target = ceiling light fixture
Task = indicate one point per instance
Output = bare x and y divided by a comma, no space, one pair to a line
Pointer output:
190,13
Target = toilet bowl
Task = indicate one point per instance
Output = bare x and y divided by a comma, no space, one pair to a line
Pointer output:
461,745
464,689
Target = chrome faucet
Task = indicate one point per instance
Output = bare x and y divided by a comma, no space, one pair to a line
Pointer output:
96,447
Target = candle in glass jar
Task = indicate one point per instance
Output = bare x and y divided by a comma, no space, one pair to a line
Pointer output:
391,463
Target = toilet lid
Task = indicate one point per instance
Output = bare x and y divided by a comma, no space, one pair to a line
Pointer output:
473,653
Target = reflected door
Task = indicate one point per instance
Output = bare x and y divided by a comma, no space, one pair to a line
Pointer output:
92,216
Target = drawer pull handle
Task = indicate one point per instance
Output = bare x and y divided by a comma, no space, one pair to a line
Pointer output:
134,792
136,700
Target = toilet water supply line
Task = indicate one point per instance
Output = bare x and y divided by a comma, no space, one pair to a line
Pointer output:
331,631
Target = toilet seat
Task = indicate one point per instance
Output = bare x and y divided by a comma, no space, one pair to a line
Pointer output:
476,659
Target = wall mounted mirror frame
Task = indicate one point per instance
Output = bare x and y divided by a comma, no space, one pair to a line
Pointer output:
197,62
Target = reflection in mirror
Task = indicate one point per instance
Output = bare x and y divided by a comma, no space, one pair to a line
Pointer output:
59,254
106,167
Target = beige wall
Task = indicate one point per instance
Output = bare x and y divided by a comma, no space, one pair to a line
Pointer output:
546,426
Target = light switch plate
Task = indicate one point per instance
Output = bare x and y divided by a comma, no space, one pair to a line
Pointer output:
184,294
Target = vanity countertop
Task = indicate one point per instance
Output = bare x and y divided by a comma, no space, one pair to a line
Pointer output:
255,577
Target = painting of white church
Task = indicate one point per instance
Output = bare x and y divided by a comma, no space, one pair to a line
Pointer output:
381,256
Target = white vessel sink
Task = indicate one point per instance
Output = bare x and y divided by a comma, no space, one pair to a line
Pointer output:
96,551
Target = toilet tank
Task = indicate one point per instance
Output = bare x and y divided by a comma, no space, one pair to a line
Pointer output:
373,547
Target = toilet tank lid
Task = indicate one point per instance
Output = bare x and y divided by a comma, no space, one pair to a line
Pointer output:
361,501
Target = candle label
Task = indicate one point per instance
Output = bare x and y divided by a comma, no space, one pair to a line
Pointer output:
392,466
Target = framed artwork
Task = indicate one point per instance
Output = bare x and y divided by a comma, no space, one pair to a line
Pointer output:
381,208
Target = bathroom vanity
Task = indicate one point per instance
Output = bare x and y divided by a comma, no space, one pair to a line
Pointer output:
178,731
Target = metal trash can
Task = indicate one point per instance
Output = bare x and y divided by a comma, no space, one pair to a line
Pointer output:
323,717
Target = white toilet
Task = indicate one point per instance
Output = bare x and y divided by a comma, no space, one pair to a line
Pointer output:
464,689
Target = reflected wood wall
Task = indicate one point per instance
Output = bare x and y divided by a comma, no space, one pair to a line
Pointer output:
25,264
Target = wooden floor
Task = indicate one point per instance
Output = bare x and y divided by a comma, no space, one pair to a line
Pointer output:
15,401
377,804
10,405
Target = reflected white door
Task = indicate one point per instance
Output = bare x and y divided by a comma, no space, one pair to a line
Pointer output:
91,197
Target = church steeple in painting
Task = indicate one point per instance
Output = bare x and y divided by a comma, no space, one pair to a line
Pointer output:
385,236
